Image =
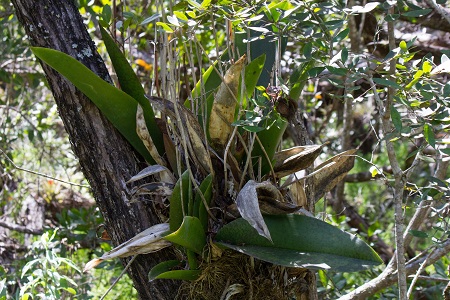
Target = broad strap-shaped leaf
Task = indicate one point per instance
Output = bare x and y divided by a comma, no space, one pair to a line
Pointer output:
188,275
300,241
190,235
252,73
130,84
163,267
172,269
119,107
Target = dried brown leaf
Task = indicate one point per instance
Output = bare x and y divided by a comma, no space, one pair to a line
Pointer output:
224,106
150,240
292,160
144,135
332,171
196,143
298,193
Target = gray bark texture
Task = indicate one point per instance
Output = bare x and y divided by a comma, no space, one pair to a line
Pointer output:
107,160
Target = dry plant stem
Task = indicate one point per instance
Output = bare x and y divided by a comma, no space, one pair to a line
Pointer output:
389,275
439,9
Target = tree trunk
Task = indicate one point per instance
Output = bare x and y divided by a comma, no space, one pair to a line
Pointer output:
107,160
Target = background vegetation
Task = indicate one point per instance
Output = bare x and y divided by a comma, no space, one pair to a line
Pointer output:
50,227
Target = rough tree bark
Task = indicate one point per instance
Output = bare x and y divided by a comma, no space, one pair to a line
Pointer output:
107,160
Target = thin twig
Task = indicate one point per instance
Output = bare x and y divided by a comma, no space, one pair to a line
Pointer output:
118,278
41,174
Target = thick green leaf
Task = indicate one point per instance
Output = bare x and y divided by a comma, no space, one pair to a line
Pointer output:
417,13
429,135
386,82
396,118
199,207
180,275
179,201
270,139
298,79
190,235
252,73
163,267
116,105
210,81
300,241
130,84
418,233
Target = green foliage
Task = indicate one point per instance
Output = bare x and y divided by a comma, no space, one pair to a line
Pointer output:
190,235
118,107
300,241
48,276
314,42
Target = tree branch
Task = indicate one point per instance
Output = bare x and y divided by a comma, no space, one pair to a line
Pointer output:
390,274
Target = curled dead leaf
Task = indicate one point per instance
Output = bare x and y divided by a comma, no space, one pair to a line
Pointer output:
329,173
149,240
248,206
224,106
294,159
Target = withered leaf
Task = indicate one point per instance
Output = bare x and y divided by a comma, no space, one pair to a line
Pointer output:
149,240
148,171
196,143
292,160
248,206
332,171
144,135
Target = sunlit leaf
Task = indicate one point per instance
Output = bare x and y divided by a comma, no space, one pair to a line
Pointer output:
165,27
300,241
190,235
427,66
356,9
119,107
